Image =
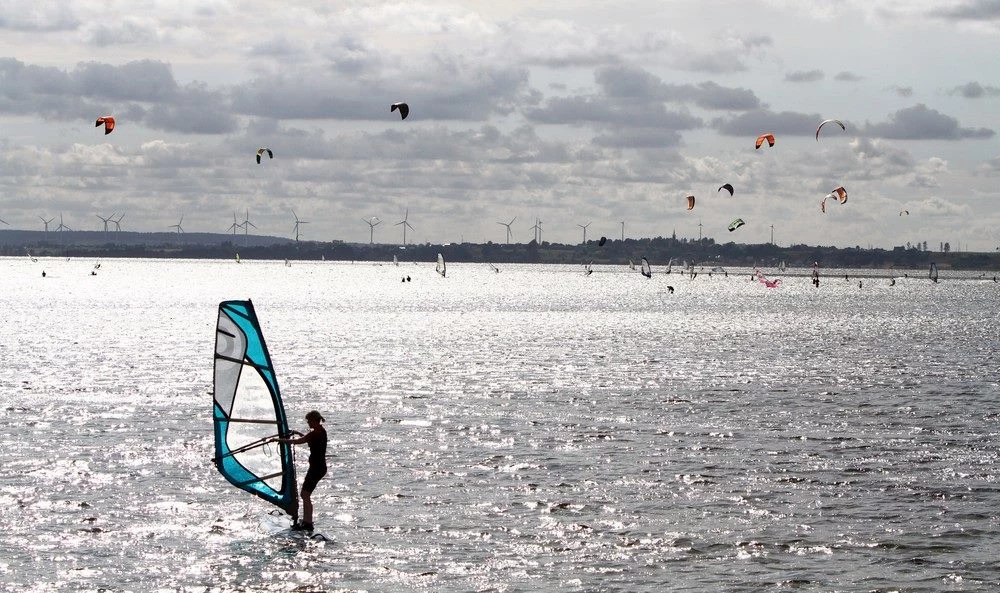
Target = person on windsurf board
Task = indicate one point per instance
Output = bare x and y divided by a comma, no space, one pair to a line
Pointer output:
316,439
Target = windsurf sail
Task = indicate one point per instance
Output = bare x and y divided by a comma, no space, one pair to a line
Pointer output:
395,260
646,270
933,273
440,265
248,413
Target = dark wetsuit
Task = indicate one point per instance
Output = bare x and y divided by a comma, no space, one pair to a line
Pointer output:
317,459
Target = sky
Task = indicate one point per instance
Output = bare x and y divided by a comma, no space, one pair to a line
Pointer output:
604,114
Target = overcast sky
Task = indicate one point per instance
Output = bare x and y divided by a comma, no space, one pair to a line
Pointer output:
571,112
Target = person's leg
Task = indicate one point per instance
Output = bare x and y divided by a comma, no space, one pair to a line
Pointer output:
307,507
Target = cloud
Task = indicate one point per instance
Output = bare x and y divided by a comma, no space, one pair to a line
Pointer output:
804,76
443,90
922,123
902,91
637,83
760,121
31,15
143,92
974,90
975,10
847,77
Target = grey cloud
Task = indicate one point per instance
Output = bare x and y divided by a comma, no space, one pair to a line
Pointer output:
626,81
38,16
976,10
145,80
847,77
759,121
639,138
126,32
715,63
902,91
473,95
804,76
598,110
974,90
921,123
142,92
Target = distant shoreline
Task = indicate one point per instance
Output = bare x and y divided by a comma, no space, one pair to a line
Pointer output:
660,251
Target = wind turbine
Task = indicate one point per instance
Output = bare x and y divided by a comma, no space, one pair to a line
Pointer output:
405,224
538,231
623,230
105,221
5,222
178,226
507,224
373,222
584,227
246,226
61,226
297,223
233,227
46,222
118,221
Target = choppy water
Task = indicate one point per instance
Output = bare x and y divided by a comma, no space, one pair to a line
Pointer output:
533,430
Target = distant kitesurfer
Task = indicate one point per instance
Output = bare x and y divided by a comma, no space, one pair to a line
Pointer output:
316,438
43,273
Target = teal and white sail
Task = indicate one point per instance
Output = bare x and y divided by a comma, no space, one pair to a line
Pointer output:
248,413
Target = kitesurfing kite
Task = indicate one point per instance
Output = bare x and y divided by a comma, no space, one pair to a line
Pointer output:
247,413
690,200
826,121
762,138
736,224
902,212
109,124
262,151
602,241
726,186
403,108
839,194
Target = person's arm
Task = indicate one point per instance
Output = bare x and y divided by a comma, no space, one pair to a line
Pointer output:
303,438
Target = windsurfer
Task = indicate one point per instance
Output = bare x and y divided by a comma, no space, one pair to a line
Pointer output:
316,439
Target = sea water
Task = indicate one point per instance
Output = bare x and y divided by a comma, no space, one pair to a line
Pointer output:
536,429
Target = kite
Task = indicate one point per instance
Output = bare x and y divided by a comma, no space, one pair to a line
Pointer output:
262,151
403,108
762,138
727,186
109,124
836,121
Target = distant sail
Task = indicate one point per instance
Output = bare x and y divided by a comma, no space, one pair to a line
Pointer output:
933,273
395,260
646,270
440,265
248,412
781,266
